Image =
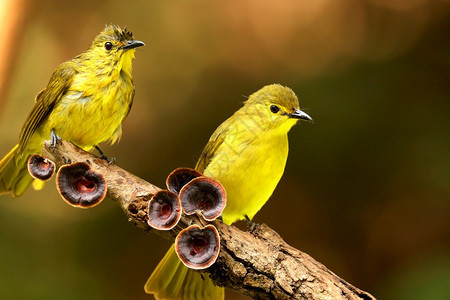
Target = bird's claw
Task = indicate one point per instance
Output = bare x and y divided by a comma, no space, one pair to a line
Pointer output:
250,224
54,139
110,160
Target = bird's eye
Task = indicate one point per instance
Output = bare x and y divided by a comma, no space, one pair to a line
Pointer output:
274,109
108,46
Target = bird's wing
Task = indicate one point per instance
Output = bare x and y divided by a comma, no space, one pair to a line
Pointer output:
214,143
38,95
59,83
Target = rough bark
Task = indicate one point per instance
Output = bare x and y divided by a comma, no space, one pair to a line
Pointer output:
257,263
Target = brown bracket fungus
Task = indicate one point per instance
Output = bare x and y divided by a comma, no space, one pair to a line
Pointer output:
198,248
81,186
180,177
40,167
203,194
164,210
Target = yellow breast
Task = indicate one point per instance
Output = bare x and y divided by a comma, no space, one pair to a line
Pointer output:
250,169
92,109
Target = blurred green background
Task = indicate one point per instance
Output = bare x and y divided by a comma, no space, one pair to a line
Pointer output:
367,186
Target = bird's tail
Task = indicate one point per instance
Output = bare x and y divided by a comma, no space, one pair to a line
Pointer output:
173,280
14,176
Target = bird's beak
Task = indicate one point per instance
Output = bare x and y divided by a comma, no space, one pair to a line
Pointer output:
132,44
298,114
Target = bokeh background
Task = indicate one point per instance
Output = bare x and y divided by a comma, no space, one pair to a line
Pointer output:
366,189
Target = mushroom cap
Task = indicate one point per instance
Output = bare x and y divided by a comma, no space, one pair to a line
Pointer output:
203,194
180,177
40,167
164,210
81,186
198,248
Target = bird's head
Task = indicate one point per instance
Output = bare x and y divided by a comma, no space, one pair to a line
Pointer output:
114,47
276,107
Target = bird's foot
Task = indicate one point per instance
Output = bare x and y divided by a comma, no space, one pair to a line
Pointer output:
110,160
54,139
250,224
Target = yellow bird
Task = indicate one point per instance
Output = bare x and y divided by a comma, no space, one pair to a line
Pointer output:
84,102
247,154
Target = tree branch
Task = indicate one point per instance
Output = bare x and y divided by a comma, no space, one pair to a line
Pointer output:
257,263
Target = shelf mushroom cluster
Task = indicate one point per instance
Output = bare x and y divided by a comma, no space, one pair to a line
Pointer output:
189,191
41,168
77,183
